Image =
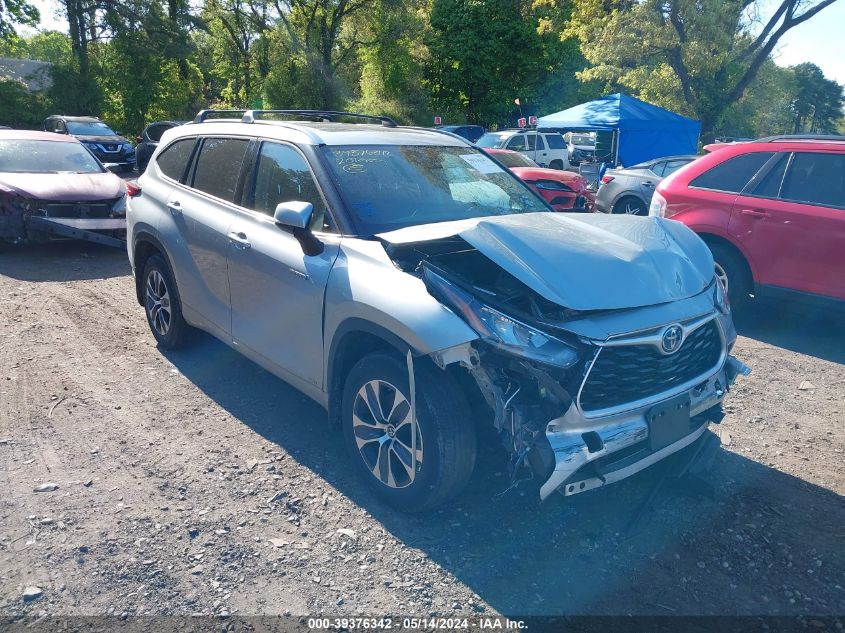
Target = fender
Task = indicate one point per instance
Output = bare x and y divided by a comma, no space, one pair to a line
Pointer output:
144,235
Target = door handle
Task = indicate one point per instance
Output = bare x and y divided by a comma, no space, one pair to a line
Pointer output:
755,213
239,240
648,183
175,207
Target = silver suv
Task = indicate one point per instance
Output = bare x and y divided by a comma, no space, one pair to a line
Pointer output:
414,288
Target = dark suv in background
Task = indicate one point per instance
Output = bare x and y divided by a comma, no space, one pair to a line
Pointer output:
113,150
148,141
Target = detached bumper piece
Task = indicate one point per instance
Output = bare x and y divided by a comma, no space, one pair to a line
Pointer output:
97,230
602,451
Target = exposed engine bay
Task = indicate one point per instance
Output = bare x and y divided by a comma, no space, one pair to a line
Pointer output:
533,397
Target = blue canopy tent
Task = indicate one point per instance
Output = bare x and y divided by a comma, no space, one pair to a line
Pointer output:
642,131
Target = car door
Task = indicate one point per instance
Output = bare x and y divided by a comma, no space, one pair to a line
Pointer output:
202,214
277,290
648,179
792,221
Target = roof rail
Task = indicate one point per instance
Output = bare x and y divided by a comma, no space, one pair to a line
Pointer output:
204,115
250,116
802,137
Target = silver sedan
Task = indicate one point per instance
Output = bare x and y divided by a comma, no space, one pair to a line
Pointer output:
629,190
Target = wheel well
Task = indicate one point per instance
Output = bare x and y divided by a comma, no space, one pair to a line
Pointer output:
711,239
143,251
556,161
351,348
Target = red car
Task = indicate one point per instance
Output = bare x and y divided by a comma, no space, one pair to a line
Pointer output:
51,184
563,190
772,212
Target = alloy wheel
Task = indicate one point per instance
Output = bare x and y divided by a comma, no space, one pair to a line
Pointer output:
158,302
632,208
382,426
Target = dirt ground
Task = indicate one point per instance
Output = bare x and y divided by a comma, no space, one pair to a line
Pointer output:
197,483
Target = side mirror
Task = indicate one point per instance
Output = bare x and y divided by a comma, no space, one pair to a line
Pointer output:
295,216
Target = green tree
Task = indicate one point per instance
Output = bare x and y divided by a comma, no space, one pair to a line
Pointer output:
16,12
698,57
482,54
817,106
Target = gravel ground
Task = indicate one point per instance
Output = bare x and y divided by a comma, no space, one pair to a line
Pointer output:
195,482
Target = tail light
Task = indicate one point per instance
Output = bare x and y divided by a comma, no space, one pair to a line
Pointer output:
657,207
606,179
133,188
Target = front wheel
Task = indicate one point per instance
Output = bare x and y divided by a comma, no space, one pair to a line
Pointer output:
409,471
732,271
556,164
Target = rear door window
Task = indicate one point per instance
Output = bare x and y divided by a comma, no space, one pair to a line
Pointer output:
816,178
174,159
555,141
769,181
657,168
672,166
219,167
733,174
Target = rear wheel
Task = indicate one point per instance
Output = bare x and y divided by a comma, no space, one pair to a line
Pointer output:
629,205
408,472
163,306
732,271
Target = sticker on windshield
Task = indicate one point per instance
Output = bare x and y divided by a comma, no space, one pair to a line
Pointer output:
481,163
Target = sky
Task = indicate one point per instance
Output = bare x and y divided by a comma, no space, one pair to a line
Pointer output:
818,40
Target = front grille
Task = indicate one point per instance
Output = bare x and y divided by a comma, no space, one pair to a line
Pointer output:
630,373
98,209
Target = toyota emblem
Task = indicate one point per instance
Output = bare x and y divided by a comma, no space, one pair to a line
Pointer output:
673,336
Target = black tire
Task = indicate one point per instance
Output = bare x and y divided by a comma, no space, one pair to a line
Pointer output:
556,164
164,316
735,269
446,433
630,205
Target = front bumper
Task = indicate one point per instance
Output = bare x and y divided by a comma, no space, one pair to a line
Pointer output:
594,452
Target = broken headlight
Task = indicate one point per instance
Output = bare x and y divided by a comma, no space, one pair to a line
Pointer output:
500,330
720,297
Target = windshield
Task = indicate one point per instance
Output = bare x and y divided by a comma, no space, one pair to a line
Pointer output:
514,159
390,187
46,157
491,140
582,139
89,128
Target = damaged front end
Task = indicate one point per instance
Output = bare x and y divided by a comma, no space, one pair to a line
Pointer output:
581,399
25,219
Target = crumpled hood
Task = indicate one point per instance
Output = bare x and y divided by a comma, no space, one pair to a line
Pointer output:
587,261
63,187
